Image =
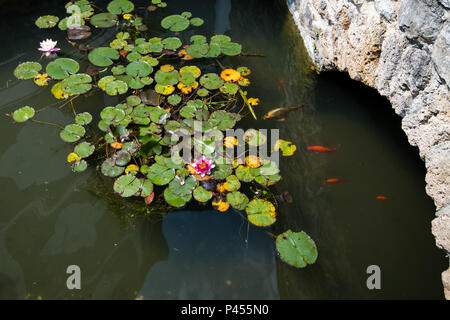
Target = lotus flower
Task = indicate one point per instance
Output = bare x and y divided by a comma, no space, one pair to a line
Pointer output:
48,46
203,166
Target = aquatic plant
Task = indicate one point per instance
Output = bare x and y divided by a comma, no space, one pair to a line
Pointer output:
172,105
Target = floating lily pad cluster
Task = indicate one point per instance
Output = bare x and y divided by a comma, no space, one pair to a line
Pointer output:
160,96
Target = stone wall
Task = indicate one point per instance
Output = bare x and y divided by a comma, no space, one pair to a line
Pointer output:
401,48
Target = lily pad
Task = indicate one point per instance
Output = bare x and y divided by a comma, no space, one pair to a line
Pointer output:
133,101
146,188
232,183
84,149
244,174
287,148
197,50
229,88
203,92
175,23
202,195
221,171
211,81
139,68
231,48
79,166
127,185
77,84
116,87
237,200
119,6
103,56
72,133
27,70
261,213
160,175
174,200
223,120
174,99
110,169
83,118
23,114
122,158
296,248
48,21
167,78
172,43
62,68
181,187
104,20
254,137
197,22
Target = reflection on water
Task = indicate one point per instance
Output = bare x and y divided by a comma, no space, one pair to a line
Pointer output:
52,218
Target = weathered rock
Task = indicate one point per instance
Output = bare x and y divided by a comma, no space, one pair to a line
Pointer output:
401,48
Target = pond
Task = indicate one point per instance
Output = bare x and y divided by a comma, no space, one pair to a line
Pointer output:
52,218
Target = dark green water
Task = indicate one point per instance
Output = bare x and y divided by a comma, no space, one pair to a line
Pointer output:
51,218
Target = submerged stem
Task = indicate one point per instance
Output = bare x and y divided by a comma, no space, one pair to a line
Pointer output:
48,123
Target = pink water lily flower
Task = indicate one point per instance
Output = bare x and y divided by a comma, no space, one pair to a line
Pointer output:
203,166
48,46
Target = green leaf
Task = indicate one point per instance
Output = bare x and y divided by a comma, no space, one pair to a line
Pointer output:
211,81
103,56
110,169
223,120
146,188
174,99
62,68
27,70
231,48
174,200
122,158
104,20
23,114
254,137
180,187
197,22
160,175
84,149
237,200
127,185
202,195
175,23
229,88
244,174
116,87
79,166
232,183
197,50
221,171
45,22
83,118
119,6
296,248
139,68
261,213
77,84
167,78
72,133
172,43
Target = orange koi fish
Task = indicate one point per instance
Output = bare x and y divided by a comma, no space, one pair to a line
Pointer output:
382,198
321,149
333,180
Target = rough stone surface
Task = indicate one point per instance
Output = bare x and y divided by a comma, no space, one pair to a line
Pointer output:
401,48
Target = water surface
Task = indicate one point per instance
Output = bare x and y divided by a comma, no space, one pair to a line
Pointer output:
52,218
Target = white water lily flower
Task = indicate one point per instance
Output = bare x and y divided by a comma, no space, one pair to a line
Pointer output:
48,46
